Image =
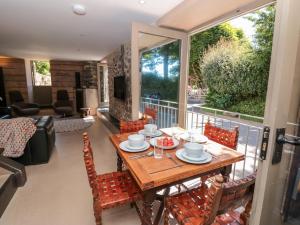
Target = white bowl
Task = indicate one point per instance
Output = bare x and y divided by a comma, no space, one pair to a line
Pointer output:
194,150
136,140
150,128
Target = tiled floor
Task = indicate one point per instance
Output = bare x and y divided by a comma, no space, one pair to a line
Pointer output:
58,193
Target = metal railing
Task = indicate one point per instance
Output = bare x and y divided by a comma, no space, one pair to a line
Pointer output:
250,136
249,142
167,111
250,128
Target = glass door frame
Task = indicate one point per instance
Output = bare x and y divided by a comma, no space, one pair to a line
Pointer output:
138,28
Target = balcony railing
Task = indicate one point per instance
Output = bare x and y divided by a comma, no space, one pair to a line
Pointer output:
250,128
196,117
249,142
167,111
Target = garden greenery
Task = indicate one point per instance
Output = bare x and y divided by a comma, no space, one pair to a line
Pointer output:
222,59
236,72
229,73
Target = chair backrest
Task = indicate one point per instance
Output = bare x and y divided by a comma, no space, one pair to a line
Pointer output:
237,192
151,112
132,126
15,96
213,198
222,136
90,166
62,95
222,197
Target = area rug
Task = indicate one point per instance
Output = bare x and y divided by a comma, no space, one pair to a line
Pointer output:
70,124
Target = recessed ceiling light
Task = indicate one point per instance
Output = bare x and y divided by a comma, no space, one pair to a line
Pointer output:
142,1
79,9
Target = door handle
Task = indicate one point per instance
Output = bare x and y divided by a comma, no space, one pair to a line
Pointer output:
281,139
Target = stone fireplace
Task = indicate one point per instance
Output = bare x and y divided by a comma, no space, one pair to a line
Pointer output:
119,63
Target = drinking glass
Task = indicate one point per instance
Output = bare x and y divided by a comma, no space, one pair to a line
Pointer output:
192,134
147,137
158,149
174,129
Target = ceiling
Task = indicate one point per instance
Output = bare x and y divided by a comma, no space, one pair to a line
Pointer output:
48,29
193,14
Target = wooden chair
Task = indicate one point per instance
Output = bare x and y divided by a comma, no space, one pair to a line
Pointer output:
200,206
150,113
132,126
228,138
111,189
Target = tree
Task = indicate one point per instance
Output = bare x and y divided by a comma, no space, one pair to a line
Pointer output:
168,55
200,42
42,67
263,21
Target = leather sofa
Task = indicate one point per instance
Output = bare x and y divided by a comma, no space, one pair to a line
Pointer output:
5,113
12,176
39,147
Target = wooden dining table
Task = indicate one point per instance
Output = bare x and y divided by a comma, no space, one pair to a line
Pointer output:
153,174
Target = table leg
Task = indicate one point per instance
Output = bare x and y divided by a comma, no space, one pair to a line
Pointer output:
226,171
119,163
162,206
149,198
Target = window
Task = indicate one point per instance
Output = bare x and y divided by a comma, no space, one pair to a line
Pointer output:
41,73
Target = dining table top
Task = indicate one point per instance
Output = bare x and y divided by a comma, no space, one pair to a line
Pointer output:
150,172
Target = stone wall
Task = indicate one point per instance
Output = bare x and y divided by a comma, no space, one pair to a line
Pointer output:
90,75
14,76
118,108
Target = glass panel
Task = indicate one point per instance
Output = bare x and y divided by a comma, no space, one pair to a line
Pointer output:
160,70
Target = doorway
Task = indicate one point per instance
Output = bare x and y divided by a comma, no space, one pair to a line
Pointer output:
282,106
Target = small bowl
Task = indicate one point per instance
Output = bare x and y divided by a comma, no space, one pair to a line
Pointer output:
136,140
150,128
194,150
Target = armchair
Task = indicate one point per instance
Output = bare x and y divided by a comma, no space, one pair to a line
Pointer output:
20,107
63,106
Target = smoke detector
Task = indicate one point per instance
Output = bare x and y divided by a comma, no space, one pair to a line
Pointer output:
79,9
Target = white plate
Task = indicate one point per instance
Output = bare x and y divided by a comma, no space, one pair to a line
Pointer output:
125,147
128,146
181,157
157,133
201,158
199,138
176,143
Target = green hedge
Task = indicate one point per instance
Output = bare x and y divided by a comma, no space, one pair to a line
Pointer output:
254,107
230,74
155,84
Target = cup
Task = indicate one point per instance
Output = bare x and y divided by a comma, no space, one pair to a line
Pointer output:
158,148
194,150
150,128
136,140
